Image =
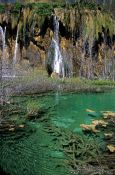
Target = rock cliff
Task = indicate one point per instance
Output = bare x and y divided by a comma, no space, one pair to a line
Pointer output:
86,36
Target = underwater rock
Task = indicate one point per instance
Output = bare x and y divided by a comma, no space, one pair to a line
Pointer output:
108,114
54,75
93,113
111,148
108,135
12,129
91,127
99,122
32,113
89,110
21,126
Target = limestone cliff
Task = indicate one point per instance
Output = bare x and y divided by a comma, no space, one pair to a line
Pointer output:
87,36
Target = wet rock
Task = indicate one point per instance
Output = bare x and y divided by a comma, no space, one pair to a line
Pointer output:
91,127
54,75
99,122
111,148
80,39
108,114
108,135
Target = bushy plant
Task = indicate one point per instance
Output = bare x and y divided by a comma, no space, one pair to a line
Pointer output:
17,7
34,109
2,8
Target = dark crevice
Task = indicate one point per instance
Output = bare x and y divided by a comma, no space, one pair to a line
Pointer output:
44,27
36,43
63,31
113,39
2,172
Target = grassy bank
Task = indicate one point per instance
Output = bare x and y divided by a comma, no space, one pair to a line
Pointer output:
38,82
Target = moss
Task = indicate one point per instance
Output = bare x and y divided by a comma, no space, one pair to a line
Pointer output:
67,19
44,8
82,5
2,8
34,106
103,83
14,19
94,21
16,7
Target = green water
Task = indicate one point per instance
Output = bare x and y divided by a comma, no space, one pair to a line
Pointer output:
33,150
70,110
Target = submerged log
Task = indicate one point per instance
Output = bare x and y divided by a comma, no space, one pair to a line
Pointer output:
93,113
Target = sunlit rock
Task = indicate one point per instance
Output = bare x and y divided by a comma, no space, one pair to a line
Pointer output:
111,148
91,127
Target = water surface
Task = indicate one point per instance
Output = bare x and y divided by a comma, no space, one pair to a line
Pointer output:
32,150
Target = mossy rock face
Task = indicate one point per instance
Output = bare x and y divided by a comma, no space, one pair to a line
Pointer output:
85,32
88,22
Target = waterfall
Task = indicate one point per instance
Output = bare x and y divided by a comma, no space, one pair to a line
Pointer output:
54,54
2,63
15,58
3,44
7,69
16,48
2,34
58,65
59,61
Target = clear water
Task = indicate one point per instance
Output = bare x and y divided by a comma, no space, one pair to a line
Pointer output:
70,110
32,150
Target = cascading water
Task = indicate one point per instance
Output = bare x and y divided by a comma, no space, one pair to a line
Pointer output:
54,53
15,53
2,62
58,61
58,66
16,48
8,69
2,34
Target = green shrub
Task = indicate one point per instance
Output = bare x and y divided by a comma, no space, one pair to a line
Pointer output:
34,105
103,82
16,7
2,8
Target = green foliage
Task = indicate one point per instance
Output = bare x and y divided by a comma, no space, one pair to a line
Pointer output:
2,8
103,82
59,5
44,8
89,5
16,7
82,5
35,106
